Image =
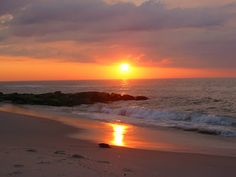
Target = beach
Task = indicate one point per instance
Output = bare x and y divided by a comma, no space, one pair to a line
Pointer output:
31,146
117,88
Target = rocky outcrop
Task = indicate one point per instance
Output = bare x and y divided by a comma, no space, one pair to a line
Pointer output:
104,145
66,99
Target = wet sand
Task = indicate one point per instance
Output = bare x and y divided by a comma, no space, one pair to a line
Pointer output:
38,147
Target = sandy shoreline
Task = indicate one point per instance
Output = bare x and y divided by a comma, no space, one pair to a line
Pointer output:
131,136
37,147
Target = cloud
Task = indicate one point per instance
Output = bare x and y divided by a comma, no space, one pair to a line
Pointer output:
95,15
4,21
150,32
6,18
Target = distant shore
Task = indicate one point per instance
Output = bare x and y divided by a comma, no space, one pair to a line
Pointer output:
37,147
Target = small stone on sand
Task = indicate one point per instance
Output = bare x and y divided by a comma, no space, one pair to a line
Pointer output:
104,145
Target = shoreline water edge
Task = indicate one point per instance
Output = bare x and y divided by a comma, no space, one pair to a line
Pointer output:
32,146
132,136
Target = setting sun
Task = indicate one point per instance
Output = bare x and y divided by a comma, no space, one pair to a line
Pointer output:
124,67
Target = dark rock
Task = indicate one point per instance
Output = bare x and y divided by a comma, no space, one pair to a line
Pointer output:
115,96
127,97
70,99
58,93
1,96
209,132
104,145
141,98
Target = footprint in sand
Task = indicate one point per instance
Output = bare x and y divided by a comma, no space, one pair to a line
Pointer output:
44,162
126,171
77,156
15,173
60,160
60,152
103,161
31,150
18,165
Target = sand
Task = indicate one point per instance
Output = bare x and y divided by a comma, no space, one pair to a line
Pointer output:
33,147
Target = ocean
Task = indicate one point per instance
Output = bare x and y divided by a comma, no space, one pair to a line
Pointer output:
197,105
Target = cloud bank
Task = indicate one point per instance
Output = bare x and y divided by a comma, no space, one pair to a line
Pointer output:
147,32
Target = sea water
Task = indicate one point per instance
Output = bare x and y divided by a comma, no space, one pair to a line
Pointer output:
198,105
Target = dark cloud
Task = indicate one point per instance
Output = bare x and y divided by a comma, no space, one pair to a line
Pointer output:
94,15
185,37
10,6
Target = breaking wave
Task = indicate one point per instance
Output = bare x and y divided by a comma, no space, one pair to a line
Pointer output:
188,121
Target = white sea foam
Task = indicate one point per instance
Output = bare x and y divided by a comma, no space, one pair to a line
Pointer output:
188,121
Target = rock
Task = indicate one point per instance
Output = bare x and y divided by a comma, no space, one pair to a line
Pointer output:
104,145
1,96
141,98
58,93
127,97
66,99
209,132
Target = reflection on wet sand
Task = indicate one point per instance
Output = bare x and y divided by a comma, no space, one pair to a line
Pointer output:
127,135
118,134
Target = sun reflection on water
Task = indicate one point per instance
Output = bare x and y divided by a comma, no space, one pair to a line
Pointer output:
124,86
118,134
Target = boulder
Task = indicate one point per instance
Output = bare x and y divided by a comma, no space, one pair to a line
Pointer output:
104,145
67,99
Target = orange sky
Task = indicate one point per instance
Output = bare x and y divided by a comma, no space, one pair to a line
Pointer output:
78,39
33,69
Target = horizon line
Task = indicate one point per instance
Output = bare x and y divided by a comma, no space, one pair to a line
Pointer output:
170,78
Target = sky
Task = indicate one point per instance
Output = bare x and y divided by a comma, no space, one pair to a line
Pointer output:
88,39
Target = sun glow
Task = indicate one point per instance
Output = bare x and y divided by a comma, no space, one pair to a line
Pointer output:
124,68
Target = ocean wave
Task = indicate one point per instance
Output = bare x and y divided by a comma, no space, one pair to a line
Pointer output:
188,121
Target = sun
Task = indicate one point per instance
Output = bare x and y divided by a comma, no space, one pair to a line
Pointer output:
124,68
